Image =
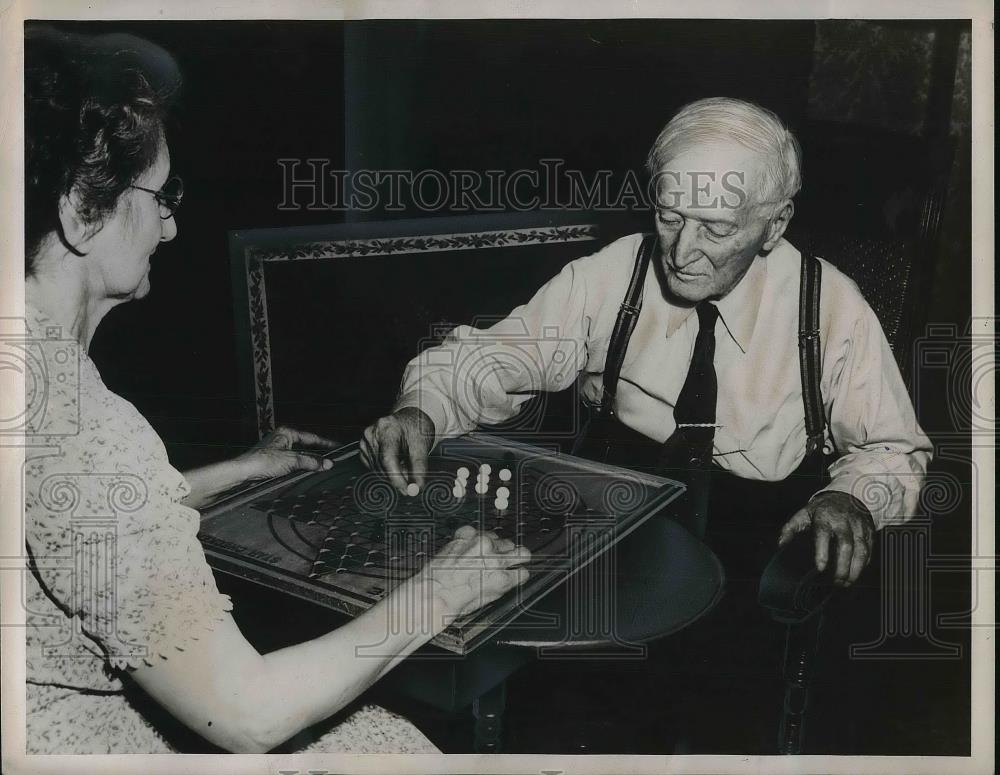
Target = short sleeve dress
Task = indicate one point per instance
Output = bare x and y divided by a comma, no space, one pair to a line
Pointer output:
117,576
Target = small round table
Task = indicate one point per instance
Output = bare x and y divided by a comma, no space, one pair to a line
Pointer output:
654,582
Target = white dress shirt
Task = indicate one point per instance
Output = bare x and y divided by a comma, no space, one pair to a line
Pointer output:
482,376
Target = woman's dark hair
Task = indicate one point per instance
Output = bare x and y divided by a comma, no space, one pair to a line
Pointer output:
93,125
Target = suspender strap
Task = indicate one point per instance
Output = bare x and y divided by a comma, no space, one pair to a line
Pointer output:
809,357
624,325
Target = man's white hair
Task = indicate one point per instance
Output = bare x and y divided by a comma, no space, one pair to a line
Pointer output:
755,128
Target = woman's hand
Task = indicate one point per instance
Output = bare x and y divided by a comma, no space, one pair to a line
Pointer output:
274,455
474,569
279,453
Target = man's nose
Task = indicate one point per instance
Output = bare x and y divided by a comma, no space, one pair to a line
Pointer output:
686,249
169,229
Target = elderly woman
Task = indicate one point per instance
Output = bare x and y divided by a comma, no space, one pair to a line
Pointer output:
130,599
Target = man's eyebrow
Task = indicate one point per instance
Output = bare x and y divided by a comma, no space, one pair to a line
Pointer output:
715,221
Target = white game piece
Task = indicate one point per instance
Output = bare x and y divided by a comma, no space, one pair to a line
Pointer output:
505,474
412,489
458,491
463,473
481,488
485,468
501,504
503,492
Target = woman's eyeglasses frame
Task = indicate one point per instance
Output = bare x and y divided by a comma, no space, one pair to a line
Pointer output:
168,200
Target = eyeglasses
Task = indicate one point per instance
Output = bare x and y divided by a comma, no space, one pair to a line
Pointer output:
168,198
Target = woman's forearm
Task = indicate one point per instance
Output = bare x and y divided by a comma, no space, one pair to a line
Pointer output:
247,703
222,688
209,482
303,684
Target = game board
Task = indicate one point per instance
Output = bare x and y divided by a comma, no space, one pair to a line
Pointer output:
345,537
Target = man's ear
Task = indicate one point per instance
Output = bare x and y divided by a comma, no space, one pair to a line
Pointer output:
779,222
74,231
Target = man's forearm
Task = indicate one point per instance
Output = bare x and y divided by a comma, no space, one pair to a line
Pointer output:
886,482
484,376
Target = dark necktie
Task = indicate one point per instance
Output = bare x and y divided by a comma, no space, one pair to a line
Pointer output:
695,409
689,447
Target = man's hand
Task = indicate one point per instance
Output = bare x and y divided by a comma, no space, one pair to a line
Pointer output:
281,452
845,520
399,445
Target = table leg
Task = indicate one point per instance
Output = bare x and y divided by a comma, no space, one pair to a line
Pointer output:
487,710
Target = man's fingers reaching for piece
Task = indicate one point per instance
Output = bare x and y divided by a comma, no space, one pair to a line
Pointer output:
416,446
390,464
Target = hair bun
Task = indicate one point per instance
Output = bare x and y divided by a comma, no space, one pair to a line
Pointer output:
93,122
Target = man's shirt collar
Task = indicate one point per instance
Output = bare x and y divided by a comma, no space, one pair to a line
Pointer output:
737,309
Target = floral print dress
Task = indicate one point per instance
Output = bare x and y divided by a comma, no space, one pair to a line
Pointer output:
117,576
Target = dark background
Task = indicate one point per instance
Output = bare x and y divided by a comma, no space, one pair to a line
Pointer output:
502,95
412,95
473,95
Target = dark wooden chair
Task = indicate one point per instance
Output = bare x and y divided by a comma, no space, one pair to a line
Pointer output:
871,205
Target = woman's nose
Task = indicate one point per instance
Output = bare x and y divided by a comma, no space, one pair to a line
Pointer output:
169,229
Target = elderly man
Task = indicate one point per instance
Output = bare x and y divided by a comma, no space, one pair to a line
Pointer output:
700,358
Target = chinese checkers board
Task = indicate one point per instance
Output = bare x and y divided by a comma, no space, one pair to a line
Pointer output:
344,538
